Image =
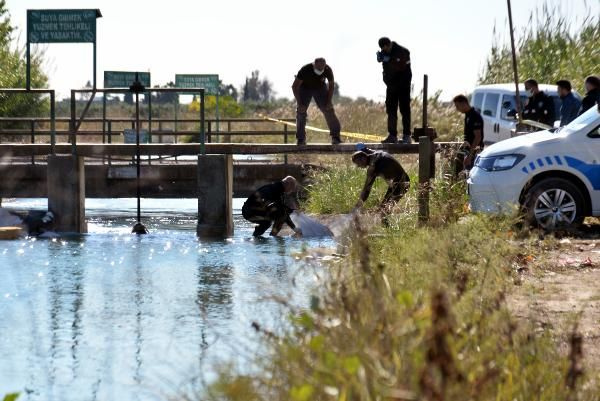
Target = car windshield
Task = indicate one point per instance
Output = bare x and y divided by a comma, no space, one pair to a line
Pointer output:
591,116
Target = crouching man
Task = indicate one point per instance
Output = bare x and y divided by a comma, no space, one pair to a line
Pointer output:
381,164
268,205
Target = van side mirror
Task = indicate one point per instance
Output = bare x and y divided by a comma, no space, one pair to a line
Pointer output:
487,113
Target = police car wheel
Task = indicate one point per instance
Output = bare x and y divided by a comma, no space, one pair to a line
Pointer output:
554,203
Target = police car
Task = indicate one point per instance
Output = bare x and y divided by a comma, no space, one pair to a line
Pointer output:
553,176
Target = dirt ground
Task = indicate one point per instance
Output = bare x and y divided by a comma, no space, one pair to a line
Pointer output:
560,286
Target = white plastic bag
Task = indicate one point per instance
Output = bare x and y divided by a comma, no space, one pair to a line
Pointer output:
310,227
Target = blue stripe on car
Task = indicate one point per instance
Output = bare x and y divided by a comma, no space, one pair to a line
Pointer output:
532,166
524,169
540,162
558,160
549,161
590,171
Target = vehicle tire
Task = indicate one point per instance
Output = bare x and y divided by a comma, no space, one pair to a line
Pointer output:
554,203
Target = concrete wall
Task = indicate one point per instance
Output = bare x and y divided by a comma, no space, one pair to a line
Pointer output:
157,181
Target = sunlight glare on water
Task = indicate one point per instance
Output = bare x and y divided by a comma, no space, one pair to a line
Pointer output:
109,315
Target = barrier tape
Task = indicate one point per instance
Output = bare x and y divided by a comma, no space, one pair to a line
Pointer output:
356,135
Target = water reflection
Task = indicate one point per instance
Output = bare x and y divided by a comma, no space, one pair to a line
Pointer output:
110,316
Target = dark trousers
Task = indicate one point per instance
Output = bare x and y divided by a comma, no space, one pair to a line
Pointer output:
396,191
398,96
320,96
264,215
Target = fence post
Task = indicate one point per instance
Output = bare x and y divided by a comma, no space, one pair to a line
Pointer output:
285,140
72,123
209,133
424,176
32,127
228,138
109,139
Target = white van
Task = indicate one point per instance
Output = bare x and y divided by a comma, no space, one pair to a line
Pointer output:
497,105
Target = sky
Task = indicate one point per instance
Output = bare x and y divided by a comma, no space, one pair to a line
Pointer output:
448,39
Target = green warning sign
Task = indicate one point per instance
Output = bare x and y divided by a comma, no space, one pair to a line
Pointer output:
62,26
210,82
124,79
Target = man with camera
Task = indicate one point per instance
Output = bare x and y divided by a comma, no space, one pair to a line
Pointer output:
397,76
310,83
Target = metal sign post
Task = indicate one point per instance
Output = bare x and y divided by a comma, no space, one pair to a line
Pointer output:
60,26
210,83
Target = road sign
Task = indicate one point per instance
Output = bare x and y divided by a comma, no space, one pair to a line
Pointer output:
62,26
210,82
130,134
124,79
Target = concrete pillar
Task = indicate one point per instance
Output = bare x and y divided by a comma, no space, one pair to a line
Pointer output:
215,196
66,192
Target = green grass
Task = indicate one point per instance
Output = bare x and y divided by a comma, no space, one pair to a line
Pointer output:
411,313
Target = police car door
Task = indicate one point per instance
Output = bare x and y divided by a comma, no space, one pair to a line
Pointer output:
583,155
489,113
593,150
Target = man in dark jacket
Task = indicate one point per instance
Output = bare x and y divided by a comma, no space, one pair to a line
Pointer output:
310,83
539,107
592,97
397,76
473,134
381,164
570,105
268,205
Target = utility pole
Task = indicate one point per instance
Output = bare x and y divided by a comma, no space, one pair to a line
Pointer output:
514,62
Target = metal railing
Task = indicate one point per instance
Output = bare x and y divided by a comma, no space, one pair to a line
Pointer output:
34,127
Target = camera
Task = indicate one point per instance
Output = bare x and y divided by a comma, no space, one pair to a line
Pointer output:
382,57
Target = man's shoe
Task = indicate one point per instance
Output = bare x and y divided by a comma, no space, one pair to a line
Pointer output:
336,140
390,139
301,142
406,139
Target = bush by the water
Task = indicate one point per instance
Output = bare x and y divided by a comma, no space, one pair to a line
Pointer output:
412,313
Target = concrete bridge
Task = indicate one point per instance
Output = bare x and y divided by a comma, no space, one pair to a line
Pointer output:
67,179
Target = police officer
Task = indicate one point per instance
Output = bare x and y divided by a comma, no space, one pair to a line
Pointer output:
592,86
397,76
381,164
310,83
473,133
539,107
570,105
268,206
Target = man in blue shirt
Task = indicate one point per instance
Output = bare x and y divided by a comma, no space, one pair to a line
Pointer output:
570,105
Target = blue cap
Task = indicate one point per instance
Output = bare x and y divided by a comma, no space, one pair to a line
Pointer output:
360,146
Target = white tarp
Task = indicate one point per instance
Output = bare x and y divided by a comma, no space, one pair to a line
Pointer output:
310,227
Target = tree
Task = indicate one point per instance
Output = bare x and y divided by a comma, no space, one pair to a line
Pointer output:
257,90
85,96
549,49
228,90
12,75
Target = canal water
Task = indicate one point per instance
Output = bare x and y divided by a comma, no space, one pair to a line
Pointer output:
112,316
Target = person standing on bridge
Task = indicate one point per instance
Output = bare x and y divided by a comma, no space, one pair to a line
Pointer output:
310,83
268,205
397,76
